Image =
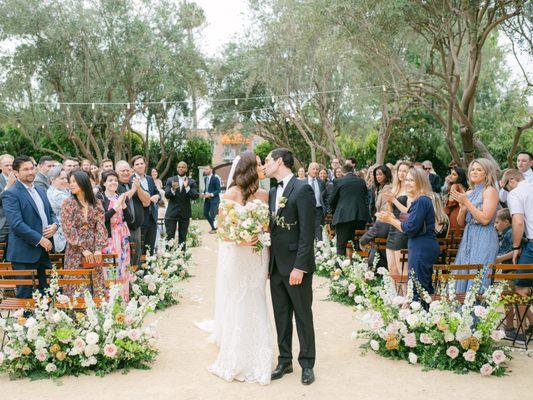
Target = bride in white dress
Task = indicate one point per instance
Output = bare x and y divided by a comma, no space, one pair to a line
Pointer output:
242,327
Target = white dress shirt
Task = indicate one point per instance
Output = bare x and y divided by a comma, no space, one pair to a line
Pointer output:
528,176
39,203
181,180
520,201
313,182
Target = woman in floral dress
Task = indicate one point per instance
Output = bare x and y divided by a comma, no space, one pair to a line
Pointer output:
117,217
84,227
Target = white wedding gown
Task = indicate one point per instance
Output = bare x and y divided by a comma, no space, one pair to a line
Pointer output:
241,327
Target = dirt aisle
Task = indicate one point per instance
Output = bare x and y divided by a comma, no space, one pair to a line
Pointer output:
342,371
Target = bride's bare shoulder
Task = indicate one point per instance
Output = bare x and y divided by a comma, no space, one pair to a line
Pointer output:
233,193
262,195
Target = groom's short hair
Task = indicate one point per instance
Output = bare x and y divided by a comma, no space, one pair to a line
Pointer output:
347,169
285,155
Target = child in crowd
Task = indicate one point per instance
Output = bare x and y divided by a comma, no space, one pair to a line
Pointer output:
503,226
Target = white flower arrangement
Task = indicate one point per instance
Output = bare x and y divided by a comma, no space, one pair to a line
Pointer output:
53,341
194,236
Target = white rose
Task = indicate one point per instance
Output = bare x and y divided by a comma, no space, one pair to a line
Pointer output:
92,338
415,305
413,358
50,367
448,336
374,345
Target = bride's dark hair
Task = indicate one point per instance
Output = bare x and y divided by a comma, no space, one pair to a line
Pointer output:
245,176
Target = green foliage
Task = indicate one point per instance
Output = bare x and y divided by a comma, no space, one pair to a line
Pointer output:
196,152
262,149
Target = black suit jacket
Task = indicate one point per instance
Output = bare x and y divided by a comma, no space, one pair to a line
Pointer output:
179,202
150,212
293,247
135,207
349,200
214,188
434,181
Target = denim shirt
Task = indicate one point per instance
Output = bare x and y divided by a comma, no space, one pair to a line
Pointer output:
506,241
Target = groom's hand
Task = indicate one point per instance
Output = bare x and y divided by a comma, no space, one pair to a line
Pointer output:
296,277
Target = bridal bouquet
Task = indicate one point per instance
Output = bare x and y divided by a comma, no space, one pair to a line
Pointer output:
243,224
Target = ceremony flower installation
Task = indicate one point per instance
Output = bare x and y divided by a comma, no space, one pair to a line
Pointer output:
53,341
194,236
244,224
159,277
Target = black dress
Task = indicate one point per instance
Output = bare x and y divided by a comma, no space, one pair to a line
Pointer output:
397,240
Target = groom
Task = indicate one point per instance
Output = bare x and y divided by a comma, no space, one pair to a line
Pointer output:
292,263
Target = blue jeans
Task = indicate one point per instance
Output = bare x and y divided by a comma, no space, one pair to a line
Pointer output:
526,257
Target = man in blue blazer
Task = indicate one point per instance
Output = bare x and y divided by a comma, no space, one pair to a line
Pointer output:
32,224
211,196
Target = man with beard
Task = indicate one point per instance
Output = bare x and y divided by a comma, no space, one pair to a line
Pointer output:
179,190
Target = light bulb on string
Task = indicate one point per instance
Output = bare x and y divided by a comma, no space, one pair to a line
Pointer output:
92,106
129,106
236,102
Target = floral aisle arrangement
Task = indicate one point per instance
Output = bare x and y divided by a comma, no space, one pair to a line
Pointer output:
326,257
53,341
159,276
447,335
194,236
245,223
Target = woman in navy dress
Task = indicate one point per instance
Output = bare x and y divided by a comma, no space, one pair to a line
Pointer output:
419,226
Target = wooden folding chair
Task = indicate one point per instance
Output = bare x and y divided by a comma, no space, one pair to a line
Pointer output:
521,304
110,263
443,273
11,279
77,279
57,260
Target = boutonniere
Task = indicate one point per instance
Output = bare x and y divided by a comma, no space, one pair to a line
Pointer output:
282,202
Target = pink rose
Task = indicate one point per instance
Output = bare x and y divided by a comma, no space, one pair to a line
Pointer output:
452,352
469,355
110,350
486,370
497,335
425,338
410,340
498,357
134,334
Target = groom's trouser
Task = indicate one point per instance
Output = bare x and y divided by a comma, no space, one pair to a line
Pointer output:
294,300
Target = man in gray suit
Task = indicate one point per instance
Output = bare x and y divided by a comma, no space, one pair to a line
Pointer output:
7,179
43,168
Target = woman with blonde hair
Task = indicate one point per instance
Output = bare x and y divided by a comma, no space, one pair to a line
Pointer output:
419,226
477,213
398,202
442,222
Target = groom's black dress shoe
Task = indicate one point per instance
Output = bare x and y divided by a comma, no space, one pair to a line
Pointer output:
281,370
308,376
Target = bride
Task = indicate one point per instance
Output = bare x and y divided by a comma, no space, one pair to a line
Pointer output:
242,328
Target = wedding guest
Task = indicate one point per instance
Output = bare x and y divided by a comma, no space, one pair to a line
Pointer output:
57,193
457,181
86,166
377,230
129,184
335,164
479,244
323,174
351,161
155,176
524,163
382,182
337,173
43,168
420,229
32,224
7,179
441,219
106,165
117,217
319,189
70,164
179,190
349,202
434,179
301,173
399,202
503,224
149,197
211,196
84,227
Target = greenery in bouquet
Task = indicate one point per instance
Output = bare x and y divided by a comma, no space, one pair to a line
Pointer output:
51,341
446,335
159,277
244,224
326,258
194,236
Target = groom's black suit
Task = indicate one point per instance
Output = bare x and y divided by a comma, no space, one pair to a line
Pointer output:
293,248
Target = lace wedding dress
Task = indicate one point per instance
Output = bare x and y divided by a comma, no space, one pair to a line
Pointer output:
241,327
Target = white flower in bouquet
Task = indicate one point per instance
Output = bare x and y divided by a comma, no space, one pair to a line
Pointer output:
319,244
470,355
413,320
89,361
62,299
462,333
498,357
122,334
369,275
452,352
415,305
374,345
497,335
40,343
358,299
486,370
480,311
478,335
413,359
410,340
19,313
377,322
449,336
143,299
110,350
30,322
92,338
398,300
152,287
134,334
425,338
404,313
382,271
79,345
345,263
32,333
50,367
91,350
